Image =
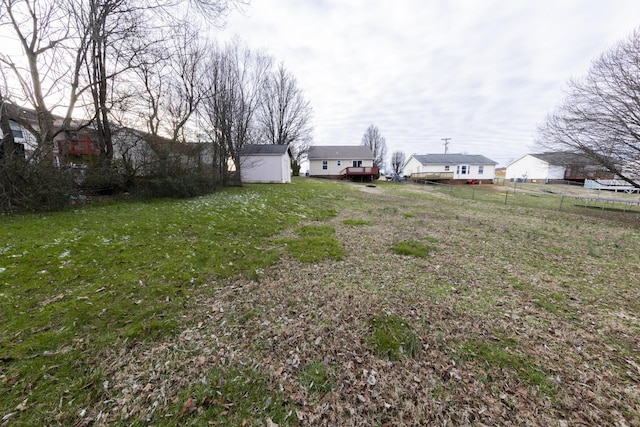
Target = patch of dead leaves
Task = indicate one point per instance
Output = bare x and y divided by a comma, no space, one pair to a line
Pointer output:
320,312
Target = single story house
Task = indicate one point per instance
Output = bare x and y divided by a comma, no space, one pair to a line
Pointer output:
341,161
80,143
451,168
555,166
25,142
22,138
265,163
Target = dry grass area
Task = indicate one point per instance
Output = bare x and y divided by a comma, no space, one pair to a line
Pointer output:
522,317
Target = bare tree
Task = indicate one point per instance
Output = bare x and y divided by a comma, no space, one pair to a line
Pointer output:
235,81
600,117
212,10
375,141
75,54
170,76
285,115
216,114
122,35
39,30
111,25
397,162
66,45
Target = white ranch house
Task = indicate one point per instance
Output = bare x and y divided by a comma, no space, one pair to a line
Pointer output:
265,163
450,167
555,166
332,161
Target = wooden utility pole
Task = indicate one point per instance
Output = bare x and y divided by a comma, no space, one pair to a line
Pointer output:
446,144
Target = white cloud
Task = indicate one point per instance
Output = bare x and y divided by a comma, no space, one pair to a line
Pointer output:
482,73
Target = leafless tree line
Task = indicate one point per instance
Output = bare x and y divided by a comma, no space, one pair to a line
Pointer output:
145,65
600,116
373,139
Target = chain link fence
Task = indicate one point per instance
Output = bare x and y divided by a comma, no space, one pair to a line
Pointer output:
559,195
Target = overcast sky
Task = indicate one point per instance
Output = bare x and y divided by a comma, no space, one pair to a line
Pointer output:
484,73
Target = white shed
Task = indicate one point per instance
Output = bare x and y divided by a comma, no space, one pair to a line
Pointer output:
265,163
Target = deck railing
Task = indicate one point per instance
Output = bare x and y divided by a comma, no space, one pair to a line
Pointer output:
431,176
359,170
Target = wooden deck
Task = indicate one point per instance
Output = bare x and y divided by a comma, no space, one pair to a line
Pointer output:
364,172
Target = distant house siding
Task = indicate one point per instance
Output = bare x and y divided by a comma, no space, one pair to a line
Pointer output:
488,172
531,168
413,166
556,172
464,171
316,169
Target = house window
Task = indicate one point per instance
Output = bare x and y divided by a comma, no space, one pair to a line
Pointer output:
446,168
16,130
464,170
325,165
357,163
480,169
339,162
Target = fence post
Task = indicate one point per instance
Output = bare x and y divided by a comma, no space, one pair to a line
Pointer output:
561,200
506,194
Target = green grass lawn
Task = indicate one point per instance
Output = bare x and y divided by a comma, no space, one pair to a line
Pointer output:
316,301
73,283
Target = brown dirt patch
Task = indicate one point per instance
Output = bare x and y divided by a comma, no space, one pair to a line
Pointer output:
520,283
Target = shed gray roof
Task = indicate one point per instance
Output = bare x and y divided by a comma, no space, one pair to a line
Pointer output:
453,159
340,152
264,149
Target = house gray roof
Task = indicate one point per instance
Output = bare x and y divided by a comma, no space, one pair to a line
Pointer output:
453,159
22,115
265,149
562,158
340,152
